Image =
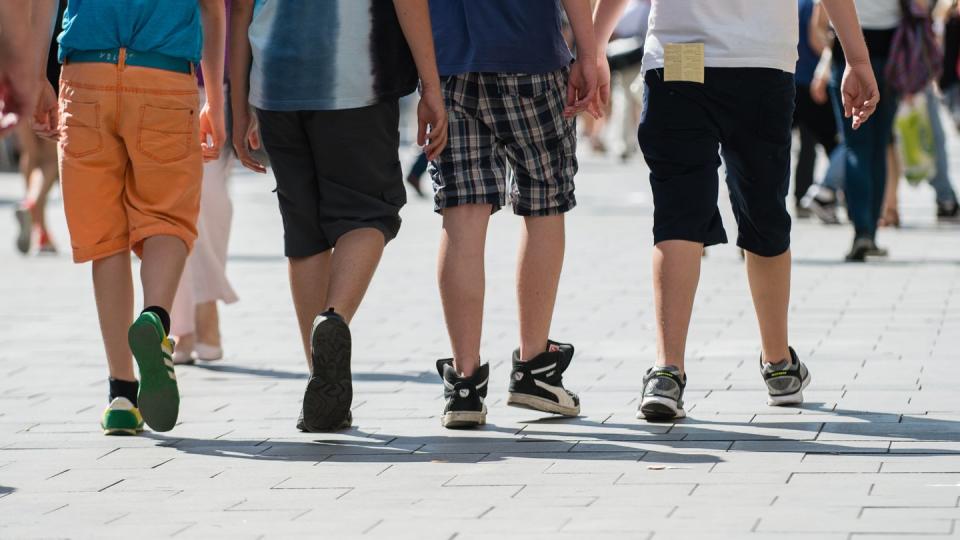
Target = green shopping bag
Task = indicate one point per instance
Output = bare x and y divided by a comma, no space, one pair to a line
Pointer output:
915,134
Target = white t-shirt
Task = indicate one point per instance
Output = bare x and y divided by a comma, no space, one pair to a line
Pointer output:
878,14
735,33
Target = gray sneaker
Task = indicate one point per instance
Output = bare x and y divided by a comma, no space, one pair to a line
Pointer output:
785,380
662,398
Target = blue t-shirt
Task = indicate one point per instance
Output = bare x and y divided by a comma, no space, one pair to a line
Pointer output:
808,60
498,36
327,55
170,27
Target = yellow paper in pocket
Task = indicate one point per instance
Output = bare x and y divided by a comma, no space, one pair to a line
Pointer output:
683,62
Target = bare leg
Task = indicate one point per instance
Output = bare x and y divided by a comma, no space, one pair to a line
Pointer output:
163,260
538,276
770,287
676,273
208,324
309,280
355,259
113,289
462,282
42,180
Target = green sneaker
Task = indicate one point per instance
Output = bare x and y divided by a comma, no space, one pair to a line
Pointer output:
121,418
159,398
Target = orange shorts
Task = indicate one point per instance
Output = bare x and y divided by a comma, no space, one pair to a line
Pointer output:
131,166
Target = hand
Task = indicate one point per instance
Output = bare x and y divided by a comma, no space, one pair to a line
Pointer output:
581,90
46,117
860,93
818,90
246,137
602,98
18,89
431,114
213,132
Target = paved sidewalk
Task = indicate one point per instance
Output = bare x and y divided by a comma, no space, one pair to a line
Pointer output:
874,453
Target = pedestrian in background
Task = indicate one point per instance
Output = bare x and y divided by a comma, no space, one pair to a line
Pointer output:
195,319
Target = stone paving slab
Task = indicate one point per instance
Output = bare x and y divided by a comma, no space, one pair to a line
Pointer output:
873,453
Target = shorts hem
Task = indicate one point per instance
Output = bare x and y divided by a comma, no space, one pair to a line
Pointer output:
555,210
138,236
706,239
101,250
494,200
763,251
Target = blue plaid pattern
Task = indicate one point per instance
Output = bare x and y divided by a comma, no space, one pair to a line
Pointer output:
503,120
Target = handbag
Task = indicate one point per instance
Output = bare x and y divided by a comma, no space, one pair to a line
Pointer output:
915,56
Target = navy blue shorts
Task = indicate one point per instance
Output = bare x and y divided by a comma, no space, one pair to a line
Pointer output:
743,114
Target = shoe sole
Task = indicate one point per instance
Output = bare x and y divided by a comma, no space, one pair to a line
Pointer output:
795,398
159,398
537,403
464,419
824,215
25,222
122,432
329,392
659,409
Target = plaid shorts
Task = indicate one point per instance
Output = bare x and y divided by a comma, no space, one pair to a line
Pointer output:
501,119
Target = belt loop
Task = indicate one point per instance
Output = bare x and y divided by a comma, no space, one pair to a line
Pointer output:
122,59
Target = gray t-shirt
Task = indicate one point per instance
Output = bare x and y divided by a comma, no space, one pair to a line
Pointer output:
327,55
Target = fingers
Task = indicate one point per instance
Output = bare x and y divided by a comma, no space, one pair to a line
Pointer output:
421,130
247,160
253,139
437,140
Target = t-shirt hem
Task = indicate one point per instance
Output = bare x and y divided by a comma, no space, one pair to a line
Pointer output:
760,63
499,67
324,104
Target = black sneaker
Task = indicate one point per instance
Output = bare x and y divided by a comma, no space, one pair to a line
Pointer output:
860,249
464,396
822,203
785,380
329,393
347,422
662,398
538,383
948,211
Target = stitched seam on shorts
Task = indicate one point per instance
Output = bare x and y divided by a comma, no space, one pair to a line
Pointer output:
127,89
155,157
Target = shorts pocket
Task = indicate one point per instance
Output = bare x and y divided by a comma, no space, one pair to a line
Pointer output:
524,85
81,128
166,134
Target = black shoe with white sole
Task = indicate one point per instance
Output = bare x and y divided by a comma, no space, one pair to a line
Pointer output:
662,398
785,380
464,396
329,393
538,383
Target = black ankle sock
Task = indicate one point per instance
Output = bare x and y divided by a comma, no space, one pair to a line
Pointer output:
164,317
126,389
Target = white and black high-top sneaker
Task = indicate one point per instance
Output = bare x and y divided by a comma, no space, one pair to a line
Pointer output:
662,398
538,383
329,392
464,396
785,380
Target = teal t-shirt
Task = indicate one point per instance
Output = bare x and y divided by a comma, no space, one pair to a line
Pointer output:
170,27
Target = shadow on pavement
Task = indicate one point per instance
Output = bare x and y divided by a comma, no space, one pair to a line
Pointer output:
670,442
360,376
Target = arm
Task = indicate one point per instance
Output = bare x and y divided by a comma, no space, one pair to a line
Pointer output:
583,75
859,86
604,22
212,127
414,17
818,33
23,29
246,135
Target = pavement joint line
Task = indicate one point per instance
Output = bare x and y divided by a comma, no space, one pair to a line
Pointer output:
372,527
48,512
301,514
109,486
121,516
184,529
